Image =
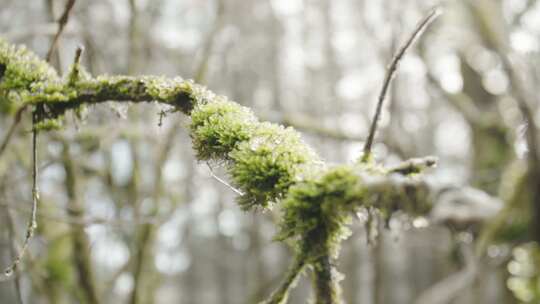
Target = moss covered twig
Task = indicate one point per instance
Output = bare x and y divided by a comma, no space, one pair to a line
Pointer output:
326,281
268,163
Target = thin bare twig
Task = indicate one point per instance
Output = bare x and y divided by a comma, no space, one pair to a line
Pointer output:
36,115
32,222
223,181
391,72
62,21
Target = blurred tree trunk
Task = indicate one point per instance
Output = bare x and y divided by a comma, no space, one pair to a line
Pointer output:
81,248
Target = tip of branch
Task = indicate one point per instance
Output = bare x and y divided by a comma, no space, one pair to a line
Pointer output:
78,53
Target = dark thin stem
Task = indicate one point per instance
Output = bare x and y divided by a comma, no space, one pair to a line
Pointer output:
11,130
390,74
62,21
32,222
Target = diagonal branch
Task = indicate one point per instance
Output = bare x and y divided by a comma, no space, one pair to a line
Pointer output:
390,73
62,21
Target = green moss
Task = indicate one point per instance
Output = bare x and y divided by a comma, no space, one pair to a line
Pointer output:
316,212
266,165
217,128
264,159
20,71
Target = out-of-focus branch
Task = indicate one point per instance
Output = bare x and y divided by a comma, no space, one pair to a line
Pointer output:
147,230
72,220
390,73
80,243
281,294
62,21
525,96
202,66
11,131
460,101
13,251
447,289
32,222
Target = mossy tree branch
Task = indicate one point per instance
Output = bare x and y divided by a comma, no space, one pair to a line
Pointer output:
267,162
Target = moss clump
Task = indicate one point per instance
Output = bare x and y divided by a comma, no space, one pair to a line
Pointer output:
218,127
316,212
21,73
266,165
264,159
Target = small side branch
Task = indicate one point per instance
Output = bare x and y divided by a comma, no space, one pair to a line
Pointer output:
219,179
281,294
390,74
414,165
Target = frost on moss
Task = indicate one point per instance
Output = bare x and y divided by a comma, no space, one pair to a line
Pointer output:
217,127
265,166
21,72
264,159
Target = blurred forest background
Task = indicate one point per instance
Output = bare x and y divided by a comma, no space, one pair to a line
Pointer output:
122,195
